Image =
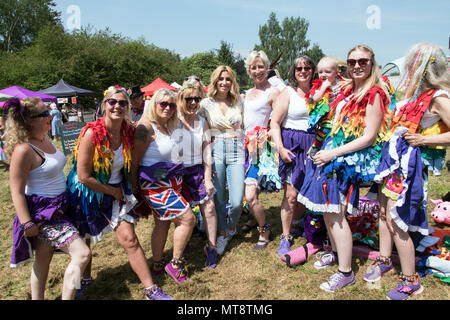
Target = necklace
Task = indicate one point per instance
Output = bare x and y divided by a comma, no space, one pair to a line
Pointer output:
40,140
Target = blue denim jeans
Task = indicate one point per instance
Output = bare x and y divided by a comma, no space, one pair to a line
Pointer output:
228,169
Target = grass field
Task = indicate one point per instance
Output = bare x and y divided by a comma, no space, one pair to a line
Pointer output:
241,274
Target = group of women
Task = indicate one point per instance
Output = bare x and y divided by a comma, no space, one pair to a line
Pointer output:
215,148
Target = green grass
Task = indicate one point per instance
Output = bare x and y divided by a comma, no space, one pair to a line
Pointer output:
241,273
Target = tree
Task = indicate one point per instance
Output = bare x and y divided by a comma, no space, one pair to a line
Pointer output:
288,38
201,65
21,21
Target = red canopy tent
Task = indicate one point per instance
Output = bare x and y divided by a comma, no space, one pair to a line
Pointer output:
156,85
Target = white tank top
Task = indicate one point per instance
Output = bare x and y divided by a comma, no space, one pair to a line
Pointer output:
47,180
257,111
116,171
190,142
297,116
162,149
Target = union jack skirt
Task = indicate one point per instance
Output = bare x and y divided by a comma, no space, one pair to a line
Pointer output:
165,197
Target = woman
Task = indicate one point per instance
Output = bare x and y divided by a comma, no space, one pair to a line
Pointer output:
289,131
223,110
99,184
257,110
56,121
40,197
157,176
194,142
348,158
420,125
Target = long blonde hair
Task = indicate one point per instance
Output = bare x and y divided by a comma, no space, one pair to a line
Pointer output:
372,80
234,91
17,127
112,91
149,112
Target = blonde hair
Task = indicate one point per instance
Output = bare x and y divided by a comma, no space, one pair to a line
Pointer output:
252,56
372,80
149,112
17,128
112,91
333,60
426,67
186,90
234,92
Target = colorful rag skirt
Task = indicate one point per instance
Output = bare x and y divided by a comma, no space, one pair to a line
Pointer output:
94,224
263,171
193,189
161,185
57,229
298,142
404,178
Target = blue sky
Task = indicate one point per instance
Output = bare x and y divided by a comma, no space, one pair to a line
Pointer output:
390,27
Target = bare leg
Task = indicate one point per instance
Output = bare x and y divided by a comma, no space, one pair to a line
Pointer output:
182,233
256,208
159,238
210,219
41,266
288,207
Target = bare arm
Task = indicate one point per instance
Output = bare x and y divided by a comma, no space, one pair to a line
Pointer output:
373,118
280,108
84,169
207,158
441,106
143,136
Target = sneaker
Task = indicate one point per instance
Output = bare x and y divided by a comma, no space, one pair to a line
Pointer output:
211,257
405,289
156,293
377,269
327,259
338,281
83,286
178,274
231,234
221,244
285,246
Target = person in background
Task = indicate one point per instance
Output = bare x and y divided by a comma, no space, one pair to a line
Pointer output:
420,124
194,143
157,175
100,187
257,110
289,132
56,121
39,192
137,102
223,110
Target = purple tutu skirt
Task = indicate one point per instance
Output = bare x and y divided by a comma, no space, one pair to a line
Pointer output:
111,212
298,142
405,180
57,228
193,189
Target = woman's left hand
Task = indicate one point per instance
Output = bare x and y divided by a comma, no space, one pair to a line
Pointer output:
414,139
209,187
323,157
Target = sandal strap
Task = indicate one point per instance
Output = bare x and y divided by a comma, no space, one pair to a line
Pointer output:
179,263
288,237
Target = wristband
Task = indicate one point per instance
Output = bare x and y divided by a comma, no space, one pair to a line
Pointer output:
22,225
29,226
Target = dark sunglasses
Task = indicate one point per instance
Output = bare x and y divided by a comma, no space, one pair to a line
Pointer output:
196,79
43,114
165,104
300,69
361,62
196,99
122,103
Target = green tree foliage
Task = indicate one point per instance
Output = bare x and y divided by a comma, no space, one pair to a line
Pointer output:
21,21
288,38
201,65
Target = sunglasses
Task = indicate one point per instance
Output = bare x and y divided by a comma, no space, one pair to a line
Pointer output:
196,99
361,62
122,103
196,79
43,114
165,104
300,69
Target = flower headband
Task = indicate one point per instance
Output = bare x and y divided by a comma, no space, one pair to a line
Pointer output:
14,106
110,89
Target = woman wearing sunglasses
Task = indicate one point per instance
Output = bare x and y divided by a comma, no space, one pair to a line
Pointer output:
348,157
419,130
289,132
261,165
100,186
223,110
157,176
40,197
194,143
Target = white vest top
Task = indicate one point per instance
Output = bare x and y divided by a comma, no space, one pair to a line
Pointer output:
297,116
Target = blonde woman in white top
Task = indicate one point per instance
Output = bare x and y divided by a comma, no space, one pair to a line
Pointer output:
223,111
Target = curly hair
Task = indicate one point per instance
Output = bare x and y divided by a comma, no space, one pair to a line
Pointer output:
17,129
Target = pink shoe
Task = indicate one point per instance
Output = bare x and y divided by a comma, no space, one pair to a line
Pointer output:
300,254
178,274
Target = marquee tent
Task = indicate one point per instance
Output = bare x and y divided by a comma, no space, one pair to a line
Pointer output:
156,85
24,93
63,90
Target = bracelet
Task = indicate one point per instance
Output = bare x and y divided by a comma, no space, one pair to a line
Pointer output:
22,225
29,226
